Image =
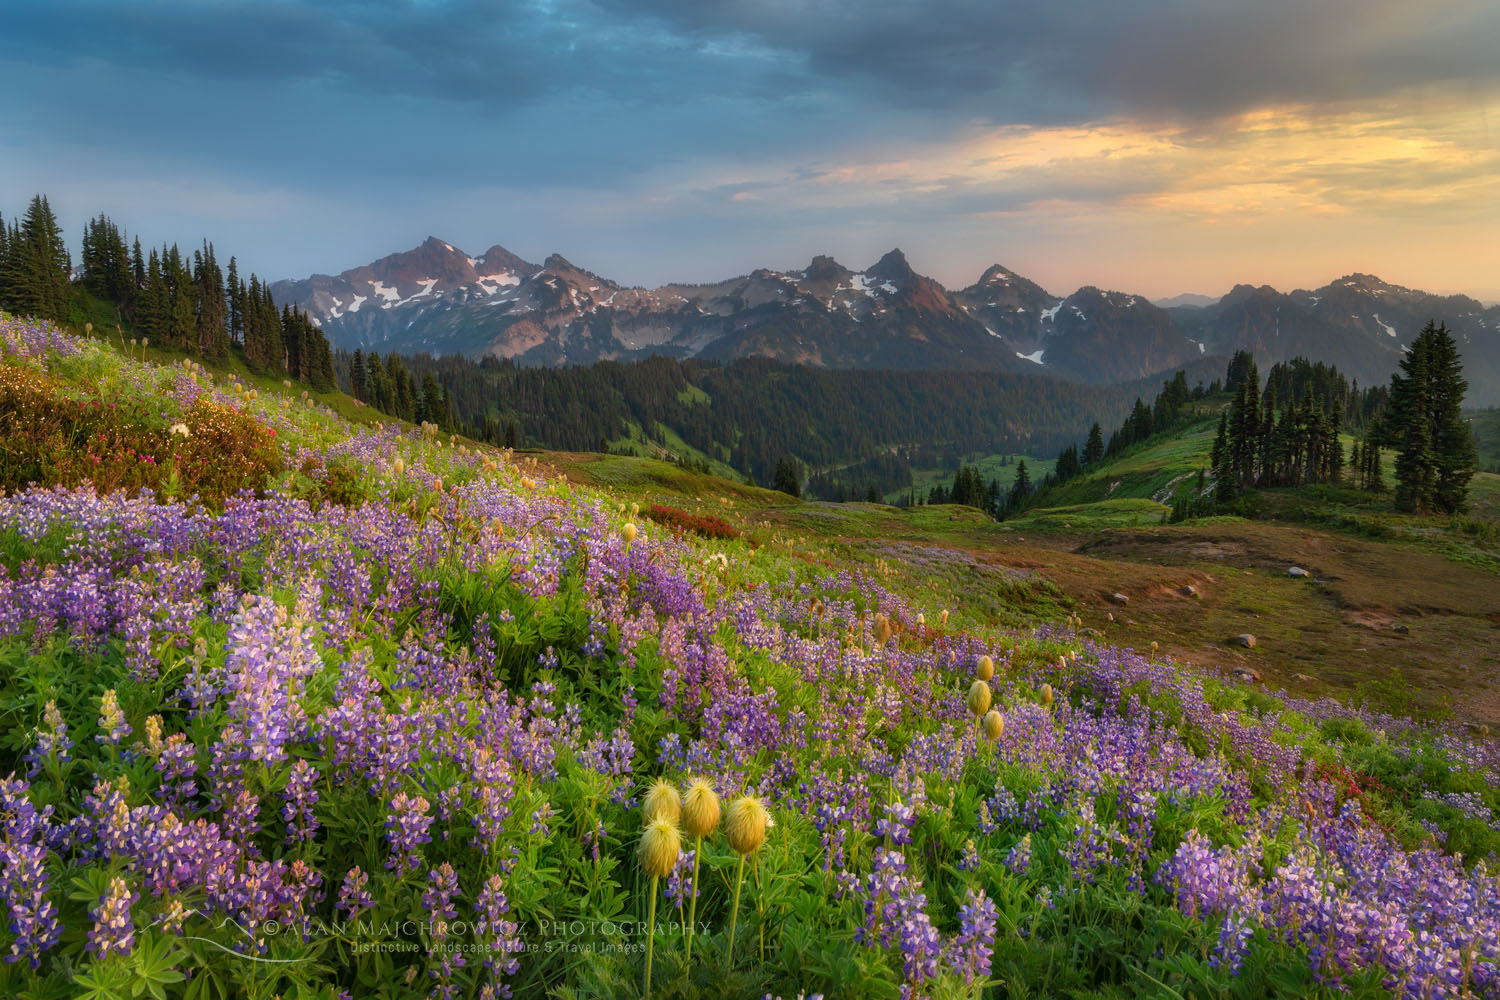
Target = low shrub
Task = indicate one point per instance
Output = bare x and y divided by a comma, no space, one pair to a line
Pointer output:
699,524
50,439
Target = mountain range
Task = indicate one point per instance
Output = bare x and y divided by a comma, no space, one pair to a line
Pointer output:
437,299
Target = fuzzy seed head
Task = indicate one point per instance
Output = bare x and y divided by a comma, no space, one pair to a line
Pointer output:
659,847
700,808
994,725
628,532
745,825
882,629
1046,694
979,698
661,802
986,668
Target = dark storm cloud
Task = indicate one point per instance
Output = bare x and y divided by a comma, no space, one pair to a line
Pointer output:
1078,59
500,54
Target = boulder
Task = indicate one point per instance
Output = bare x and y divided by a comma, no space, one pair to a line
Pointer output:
1247,674
1247,640
1298,572
1119,599
1305,678
1188,590
1403,629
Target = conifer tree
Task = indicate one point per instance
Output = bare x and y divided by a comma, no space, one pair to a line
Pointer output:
37,265
359,377
1411,417
785,480
1093,449
1453,440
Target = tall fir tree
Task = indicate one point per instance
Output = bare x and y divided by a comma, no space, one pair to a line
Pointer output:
1454,452
37,265
1411,415
1093,449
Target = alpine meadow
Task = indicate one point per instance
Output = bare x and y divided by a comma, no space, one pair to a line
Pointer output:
690,623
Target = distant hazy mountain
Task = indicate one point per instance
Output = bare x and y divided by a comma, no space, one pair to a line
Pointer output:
1185,299
1358,322
435,298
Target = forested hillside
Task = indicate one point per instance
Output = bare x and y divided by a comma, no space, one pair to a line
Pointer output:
162,296
748,414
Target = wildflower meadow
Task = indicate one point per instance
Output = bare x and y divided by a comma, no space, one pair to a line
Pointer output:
301,707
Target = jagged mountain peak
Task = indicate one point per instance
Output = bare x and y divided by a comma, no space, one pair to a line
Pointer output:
996,274
497,260
434,298
893,267
824,268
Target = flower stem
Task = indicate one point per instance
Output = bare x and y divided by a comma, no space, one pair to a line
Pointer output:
651,938
693,907
734,914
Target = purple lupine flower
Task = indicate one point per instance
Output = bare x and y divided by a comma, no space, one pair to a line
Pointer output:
112,725
541,820
975,943
242,816
499,938
354,897
406,828
113,932
1018,858
51,741
442,886
33,917
177,764
896,823
679,885
301,796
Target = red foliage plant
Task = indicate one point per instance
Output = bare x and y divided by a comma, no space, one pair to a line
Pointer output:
699,524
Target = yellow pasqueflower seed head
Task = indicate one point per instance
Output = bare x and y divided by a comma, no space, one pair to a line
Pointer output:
661,802
745,824
986,667
660,844
979,698
994,725
629,532
1046,694
700,808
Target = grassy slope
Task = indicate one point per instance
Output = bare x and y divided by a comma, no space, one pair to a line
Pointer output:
1486,424
1103,537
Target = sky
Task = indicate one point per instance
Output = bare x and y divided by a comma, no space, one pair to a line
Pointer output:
1154,147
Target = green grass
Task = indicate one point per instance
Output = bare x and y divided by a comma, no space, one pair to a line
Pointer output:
1486,425
670,445
1152,471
